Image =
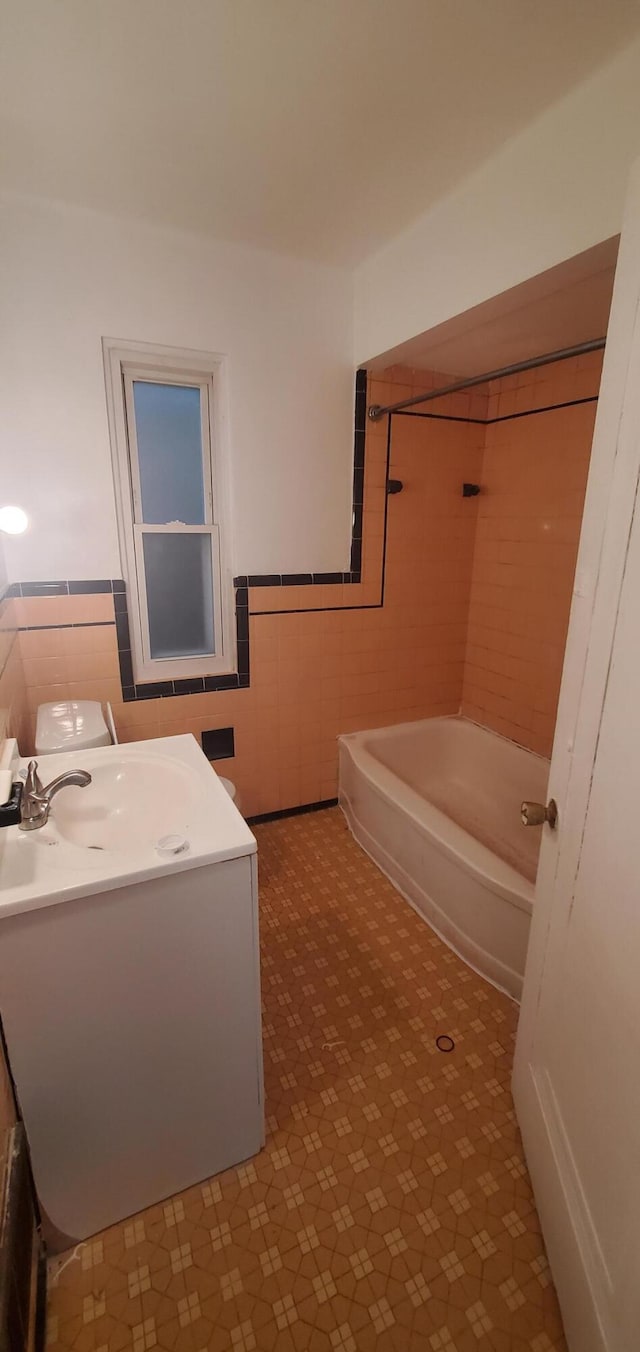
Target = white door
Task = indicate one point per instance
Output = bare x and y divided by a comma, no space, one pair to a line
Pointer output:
577,1068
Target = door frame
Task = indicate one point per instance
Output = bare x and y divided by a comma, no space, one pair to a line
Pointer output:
611,501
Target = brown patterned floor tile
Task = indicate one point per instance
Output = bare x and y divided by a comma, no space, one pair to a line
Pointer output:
391,1209
110,1333
65,1301
73,1332
171,1337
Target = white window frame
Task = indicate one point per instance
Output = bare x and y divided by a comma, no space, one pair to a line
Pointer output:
125,362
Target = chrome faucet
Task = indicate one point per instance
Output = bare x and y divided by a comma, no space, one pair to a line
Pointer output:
35,804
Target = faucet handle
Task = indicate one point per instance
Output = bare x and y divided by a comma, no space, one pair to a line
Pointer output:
33,782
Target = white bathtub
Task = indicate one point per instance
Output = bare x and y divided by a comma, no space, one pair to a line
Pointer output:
437,805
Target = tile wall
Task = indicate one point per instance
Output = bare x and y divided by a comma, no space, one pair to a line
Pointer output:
427,629
535,472
14,718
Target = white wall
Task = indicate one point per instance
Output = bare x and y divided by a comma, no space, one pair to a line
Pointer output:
552,191
72,276
3,568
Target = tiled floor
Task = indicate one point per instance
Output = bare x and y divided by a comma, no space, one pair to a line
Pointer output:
391,1208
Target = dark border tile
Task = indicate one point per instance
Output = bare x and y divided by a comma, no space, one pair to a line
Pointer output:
292,811
85,624
358,485
358,450
227,682
126,667
154,690
243,657
90,586
84,586
189,685
361,401
356,559
122,629
44,588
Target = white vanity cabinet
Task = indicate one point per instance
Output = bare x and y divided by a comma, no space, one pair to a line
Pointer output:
132,1020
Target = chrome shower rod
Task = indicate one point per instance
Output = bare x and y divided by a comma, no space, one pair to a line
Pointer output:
593,345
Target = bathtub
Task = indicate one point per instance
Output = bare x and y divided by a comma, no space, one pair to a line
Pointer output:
437,806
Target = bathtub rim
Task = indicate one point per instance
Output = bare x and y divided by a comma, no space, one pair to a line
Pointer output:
456,843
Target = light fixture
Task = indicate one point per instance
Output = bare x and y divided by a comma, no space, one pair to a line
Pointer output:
13,521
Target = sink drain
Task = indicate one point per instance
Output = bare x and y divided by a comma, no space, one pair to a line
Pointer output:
95,847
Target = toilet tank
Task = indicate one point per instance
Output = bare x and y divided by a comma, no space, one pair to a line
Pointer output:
71,725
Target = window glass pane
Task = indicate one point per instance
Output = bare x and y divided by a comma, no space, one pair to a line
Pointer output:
179,582
169,436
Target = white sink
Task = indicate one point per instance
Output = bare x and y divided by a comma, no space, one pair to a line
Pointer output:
151,807
131,799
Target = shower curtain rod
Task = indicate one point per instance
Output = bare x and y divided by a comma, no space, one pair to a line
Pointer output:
378,410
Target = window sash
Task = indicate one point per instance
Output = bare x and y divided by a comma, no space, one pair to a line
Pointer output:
124,363
159,377
197,665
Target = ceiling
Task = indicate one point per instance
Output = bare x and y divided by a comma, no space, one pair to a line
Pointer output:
566,305
314,127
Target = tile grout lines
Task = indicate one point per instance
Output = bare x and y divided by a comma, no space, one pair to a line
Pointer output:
391,1208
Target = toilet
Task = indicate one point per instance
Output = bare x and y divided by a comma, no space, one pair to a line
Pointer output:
73,725
231,790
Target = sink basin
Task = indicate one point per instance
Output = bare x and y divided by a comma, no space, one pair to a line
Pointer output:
152,807
129,802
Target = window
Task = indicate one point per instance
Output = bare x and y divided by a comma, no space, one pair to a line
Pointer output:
166,430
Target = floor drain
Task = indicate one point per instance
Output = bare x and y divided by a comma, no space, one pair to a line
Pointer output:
444,1043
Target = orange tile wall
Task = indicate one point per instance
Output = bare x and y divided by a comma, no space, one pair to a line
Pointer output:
534,478
326,660
14,720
